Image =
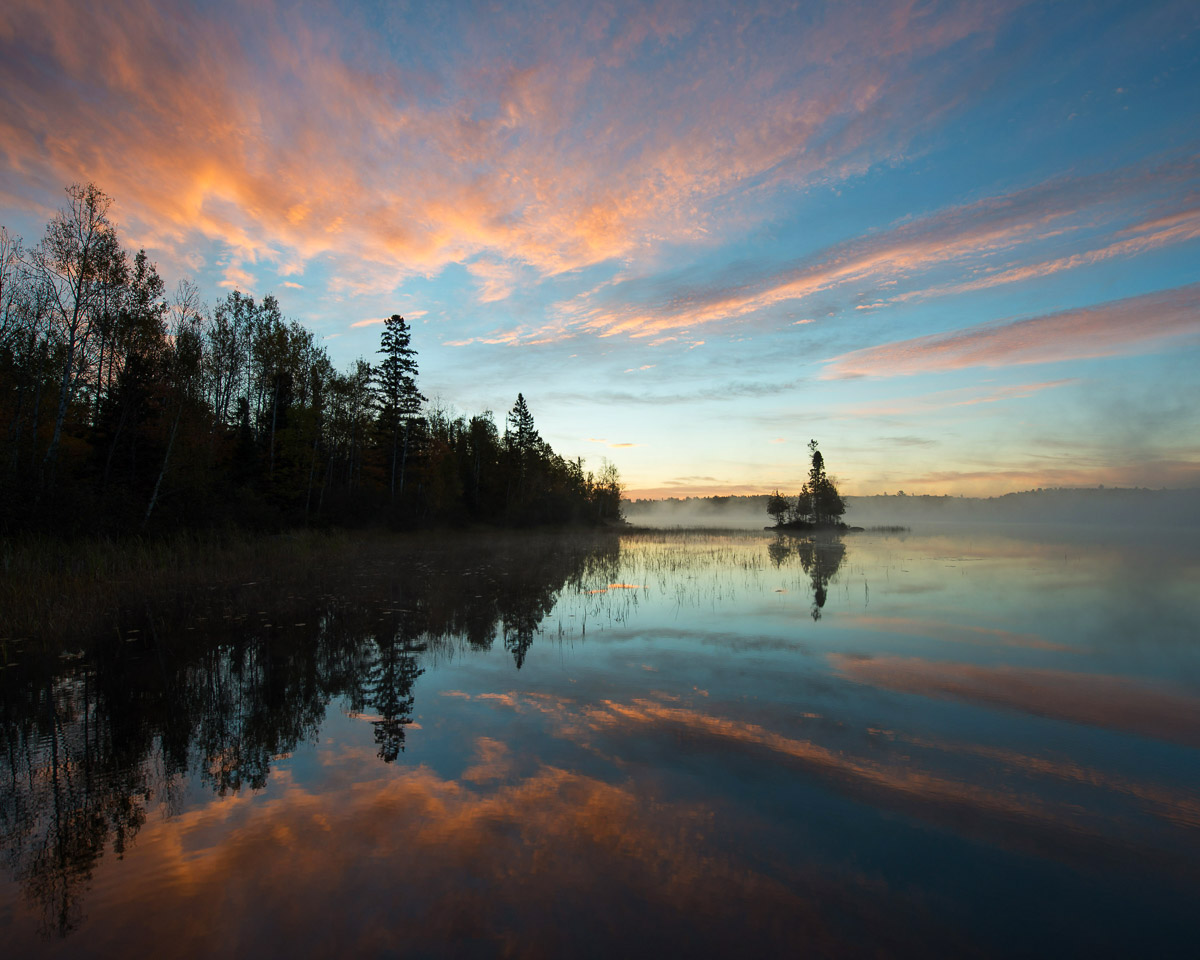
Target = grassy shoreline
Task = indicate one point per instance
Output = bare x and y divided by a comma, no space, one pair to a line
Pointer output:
53,588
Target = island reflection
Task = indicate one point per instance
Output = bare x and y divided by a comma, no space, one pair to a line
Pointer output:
821,555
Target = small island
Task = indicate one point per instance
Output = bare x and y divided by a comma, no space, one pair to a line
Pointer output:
819,505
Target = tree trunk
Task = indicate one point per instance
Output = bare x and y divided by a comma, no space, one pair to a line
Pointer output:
312,467
404,456
63,390
113,446
274,414
163,471
395,431
64,387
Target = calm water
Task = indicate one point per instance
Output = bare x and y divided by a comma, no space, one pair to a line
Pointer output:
937,743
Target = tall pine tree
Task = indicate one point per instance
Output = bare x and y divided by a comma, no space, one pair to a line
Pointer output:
397,398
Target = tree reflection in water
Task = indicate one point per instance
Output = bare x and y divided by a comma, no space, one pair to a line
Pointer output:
91,744
821,556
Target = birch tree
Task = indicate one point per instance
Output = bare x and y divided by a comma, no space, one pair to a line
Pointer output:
75,260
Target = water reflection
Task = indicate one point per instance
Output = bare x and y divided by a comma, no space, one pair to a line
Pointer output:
667,744
820,555
90,745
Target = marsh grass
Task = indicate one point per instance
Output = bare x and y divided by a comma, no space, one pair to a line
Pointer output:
55,594
53,590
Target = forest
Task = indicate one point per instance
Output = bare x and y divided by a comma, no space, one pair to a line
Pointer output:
126,409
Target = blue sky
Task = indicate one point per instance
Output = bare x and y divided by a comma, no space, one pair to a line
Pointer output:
958,244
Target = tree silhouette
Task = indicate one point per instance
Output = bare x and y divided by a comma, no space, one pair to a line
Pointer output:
821,557
399,401
123,412
819,503
827,506
778,507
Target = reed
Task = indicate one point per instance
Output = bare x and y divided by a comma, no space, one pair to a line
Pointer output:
55,592
53,588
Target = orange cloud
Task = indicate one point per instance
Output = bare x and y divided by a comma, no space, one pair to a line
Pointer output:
256,128
413,863
1135,325
496,280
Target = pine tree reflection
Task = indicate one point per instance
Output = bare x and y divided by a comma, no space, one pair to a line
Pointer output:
89,746
779,550
386,687
820,556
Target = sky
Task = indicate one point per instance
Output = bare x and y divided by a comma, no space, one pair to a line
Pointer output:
956,243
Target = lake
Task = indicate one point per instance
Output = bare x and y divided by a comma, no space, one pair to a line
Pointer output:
950,741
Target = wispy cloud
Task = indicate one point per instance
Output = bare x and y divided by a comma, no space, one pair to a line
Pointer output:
496,280
1081,472
965,237
273,134
964,397
1149,235
235,278
1133,325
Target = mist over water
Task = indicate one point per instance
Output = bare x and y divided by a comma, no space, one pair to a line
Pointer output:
955,740
1145,510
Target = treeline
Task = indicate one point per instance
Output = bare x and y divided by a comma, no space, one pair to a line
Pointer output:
125,409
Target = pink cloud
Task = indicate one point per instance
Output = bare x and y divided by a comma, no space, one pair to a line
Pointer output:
965,397
1139,324
1160,232
962,236
256,130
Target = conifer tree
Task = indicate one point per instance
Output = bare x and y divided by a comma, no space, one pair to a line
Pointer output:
397,398
825,504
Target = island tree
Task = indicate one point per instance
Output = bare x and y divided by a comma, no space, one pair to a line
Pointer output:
825,505
819,503
778,507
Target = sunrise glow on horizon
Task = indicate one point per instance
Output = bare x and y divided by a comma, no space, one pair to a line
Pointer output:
957,243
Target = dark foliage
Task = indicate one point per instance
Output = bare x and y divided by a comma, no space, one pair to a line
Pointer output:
818,505
126,410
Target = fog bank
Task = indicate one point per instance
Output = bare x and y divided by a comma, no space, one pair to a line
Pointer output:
1108,506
